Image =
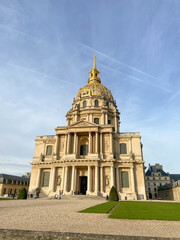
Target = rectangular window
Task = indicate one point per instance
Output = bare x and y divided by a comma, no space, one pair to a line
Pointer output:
49,150
125,179
109,121
46,179
123,149
96,120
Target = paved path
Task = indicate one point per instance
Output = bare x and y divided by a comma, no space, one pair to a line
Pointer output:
62,216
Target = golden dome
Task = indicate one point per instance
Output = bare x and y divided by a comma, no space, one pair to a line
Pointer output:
94,86
94,89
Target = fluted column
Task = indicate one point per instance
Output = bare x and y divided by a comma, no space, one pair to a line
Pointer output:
111,144
65,144
101,144
62,180
53,172
72,180
106,118
96,179
132,179
68,143
74,147
117,179
65,179
89,179
38,178
97,138
112,177
102,179
90,142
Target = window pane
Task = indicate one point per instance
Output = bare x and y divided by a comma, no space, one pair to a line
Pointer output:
84,150
96,103
46,179
49,150
96,120
84,104
123,149
124,179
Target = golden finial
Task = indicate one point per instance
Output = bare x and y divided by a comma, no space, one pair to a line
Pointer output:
94,65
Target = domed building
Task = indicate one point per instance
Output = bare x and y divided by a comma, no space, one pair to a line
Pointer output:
90,155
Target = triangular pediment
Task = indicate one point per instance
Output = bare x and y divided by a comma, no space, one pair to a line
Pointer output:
84,123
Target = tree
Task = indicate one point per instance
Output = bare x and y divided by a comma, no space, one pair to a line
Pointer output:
113,196
22,194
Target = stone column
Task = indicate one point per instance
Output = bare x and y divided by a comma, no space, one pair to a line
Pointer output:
89,179
115,118
90,142
112,177
74,147
106,118
132,180
68,143
65,144
72,179
96,179
38,178
53,172
75,180
65,179
62,179
102,179
117,179
111,144
101,144
97,138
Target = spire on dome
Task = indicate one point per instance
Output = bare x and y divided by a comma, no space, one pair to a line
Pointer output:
94,73
94,65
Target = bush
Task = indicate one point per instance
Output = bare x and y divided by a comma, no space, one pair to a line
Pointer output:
113,196
22,194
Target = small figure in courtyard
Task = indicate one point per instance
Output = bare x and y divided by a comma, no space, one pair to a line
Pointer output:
107,198
59,194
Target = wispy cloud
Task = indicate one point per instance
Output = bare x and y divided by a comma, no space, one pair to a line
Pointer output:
12,10
137,79
8,28
40,73
174,96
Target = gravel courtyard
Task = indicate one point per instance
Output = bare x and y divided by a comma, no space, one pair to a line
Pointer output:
62,216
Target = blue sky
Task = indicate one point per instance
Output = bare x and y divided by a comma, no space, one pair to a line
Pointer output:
46,51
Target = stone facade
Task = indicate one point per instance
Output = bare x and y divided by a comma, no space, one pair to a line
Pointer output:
155,177
90,154
10,184
170,191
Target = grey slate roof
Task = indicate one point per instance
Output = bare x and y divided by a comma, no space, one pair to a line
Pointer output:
12,177
174,177
153,169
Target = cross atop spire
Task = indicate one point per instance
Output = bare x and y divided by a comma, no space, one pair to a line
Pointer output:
94,65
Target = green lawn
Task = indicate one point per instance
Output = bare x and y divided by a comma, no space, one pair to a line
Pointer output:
101,208
147,210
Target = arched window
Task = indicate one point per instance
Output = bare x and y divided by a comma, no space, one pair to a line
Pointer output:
84,104
125,179
96,120
96,103
49,150
84,150
123,149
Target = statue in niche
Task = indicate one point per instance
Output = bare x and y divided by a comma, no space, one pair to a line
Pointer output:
107,181
59,180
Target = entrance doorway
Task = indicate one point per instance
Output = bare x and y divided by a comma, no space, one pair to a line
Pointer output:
83,182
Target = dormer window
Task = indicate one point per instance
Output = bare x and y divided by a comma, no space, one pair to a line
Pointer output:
84,104
96,103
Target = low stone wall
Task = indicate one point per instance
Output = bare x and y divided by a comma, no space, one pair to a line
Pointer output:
10,234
